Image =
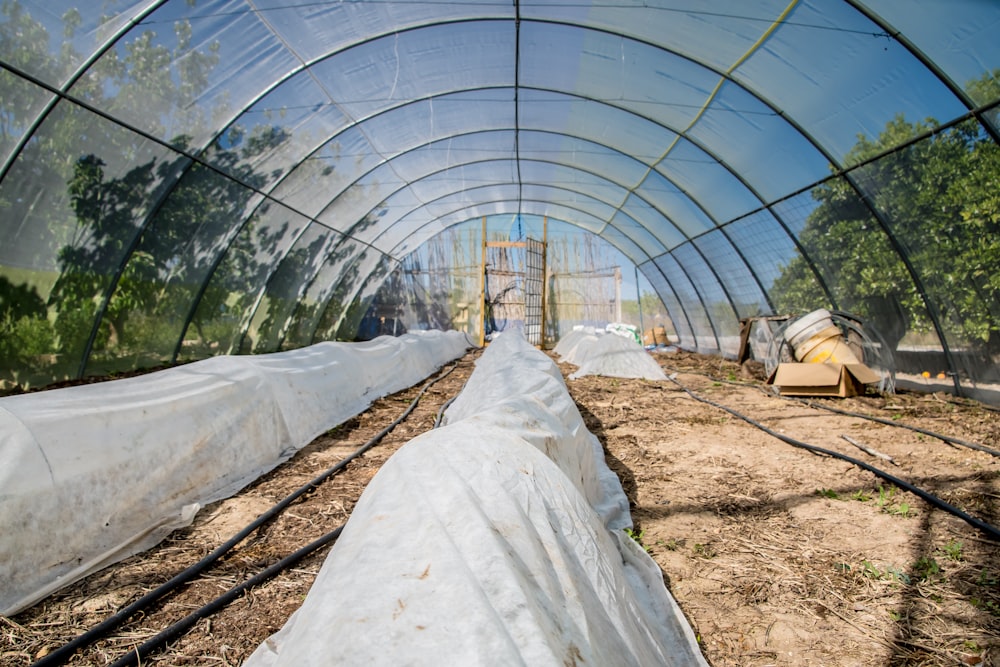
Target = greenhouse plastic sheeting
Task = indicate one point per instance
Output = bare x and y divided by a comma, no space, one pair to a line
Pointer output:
609,355
497,539
93,474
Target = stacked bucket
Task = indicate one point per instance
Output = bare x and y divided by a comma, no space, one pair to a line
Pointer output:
816,339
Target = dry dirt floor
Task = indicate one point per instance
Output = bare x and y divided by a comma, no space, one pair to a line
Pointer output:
777,555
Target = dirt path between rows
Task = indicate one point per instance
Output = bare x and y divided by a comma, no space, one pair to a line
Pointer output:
777,556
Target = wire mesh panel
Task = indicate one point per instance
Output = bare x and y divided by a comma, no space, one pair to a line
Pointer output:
534,290
503,287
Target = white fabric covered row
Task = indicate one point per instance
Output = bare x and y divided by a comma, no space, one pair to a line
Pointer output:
608,355
494,540
93,474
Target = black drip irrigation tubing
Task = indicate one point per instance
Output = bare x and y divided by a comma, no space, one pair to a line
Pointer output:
860,415
60,655
889,422
991,531
134,656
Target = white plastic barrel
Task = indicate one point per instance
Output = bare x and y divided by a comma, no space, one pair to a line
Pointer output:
816,339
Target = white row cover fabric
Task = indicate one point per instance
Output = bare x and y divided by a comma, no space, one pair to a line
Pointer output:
90,475
609,355
495,540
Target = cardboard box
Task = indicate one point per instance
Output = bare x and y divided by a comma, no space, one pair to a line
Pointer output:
842,380
655,336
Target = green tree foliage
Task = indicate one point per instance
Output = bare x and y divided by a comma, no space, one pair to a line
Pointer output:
940,198
110,240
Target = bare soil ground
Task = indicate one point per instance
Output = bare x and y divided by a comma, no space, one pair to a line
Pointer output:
777,556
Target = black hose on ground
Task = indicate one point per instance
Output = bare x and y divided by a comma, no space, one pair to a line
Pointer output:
60,655
180,627
889,422
986,528
860,415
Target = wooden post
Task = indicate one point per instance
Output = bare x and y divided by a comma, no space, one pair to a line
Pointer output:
545,268
482,292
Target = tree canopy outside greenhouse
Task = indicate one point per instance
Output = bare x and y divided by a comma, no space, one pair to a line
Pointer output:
182,179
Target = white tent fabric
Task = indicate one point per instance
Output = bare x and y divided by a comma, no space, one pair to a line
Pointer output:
90,475
608,355
495,540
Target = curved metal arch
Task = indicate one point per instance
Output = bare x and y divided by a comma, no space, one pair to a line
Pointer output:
819,277
570,24
932,66
619,35
459,209
632,193
372,245
580,211
438,172
71,80
359,125
506,200
438,23
709,68
515,207
703,64
649,260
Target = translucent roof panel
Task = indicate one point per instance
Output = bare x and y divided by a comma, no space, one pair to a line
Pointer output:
573,199
446,206
734,274
424,121
957,37
650,81
413,65
328,171
313,29
695,307
185,66
716,35
62,34
675,204
664,231
613,126
773,156
708,182
581,154
641,235
271,136
839,75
